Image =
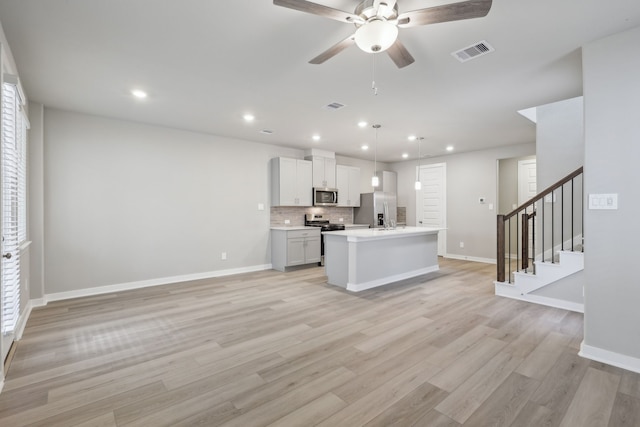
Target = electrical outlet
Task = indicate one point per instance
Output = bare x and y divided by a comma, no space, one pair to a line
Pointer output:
223,256
286,221
462,244
260,206
341,220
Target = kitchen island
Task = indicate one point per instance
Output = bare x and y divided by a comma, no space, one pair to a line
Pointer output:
365,258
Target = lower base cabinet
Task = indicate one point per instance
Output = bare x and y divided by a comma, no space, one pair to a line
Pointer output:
294,247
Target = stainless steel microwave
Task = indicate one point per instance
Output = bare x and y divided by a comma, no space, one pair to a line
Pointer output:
325,196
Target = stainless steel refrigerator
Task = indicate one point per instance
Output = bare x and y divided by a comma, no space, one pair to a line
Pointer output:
376,208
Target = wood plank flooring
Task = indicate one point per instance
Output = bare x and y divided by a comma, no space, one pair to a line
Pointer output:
287,349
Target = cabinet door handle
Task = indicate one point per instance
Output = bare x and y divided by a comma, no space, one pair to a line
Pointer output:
7,255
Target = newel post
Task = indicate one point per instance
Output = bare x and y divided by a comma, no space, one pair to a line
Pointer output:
500,256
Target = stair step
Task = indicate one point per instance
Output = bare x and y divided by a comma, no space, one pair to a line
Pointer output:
547,272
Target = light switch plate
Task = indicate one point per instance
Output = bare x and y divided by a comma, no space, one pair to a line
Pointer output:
603,201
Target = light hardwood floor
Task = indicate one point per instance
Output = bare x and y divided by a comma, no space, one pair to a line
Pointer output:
286,349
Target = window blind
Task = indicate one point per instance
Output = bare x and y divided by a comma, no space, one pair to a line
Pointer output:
14,221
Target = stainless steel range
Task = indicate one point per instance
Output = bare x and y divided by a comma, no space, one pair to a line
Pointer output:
315,220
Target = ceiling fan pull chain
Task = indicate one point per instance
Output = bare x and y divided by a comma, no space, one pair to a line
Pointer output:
373,76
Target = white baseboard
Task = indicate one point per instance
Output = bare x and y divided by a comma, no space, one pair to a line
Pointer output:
471,258
610,358
510,291
22,321
357,287
148,283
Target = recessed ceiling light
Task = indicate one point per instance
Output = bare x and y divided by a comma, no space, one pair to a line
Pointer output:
249,117
365,147
362,124
316,137
140,94
412,137
450,148
405,156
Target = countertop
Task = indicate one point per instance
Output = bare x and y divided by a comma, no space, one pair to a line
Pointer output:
381,233
293,227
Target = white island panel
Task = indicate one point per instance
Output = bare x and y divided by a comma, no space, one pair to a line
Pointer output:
363,259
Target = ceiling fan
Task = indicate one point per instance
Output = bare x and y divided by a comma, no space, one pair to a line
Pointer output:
377,23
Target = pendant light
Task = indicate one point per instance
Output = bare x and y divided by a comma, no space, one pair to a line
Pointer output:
374,179
418,184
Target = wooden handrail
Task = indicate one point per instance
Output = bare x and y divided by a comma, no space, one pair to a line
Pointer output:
549,190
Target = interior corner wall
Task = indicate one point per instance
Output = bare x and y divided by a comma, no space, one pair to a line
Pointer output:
126,202
470,175
612,109
559,140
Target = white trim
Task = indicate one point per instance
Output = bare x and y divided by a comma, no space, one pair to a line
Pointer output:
152,282
22,321
357,287
510,291
609,357
471,258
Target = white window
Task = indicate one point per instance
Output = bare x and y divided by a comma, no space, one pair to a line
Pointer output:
14,206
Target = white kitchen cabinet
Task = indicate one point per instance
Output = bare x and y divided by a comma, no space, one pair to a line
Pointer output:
348,185
291,247
291,182
324,171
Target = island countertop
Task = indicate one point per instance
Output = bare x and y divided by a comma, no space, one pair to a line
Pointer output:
360,234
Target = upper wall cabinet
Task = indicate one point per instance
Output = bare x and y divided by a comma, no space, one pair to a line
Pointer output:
348,184
291,182
324,171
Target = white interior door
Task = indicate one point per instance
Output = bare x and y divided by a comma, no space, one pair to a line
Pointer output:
527,189
527,176
431,201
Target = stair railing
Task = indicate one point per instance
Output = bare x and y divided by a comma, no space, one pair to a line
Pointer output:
558,226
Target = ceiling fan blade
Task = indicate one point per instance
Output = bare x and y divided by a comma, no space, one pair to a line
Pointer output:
400,55
318,9
334,50
445,13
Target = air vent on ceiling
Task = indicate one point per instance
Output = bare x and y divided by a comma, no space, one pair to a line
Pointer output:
334,106
473,51
266,131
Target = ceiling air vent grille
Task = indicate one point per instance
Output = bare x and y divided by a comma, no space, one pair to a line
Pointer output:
334,106
473,51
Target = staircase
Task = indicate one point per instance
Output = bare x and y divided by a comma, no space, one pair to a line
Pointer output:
540,244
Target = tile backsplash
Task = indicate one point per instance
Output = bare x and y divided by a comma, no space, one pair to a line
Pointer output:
296,215
402,215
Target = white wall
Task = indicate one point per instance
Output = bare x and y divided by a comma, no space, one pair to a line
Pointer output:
469,176
612,151
35,203
126,202
559,140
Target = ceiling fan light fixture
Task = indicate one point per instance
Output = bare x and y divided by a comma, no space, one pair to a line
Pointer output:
376,35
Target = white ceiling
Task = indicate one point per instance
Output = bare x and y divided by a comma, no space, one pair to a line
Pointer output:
205,63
